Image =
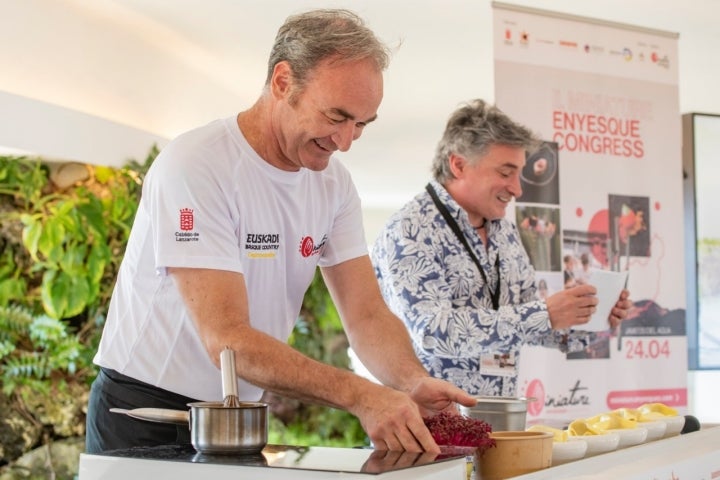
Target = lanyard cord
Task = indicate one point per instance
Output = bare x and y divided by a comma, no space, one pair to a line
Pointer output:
495,293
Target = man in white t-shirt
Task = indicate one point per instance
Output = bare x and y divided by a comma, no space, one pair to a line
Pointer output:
234,218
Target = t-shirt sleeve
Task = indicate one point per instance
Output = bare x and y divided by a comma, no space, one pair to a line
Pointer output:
347,235
187,204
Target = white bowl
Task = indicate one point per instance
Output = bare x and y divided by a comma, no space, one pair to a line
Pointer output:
597,444
564,452
630,436
656,429
673,425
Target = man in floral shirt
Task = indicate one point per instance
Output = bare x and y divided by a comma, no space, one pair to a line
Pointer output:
453,268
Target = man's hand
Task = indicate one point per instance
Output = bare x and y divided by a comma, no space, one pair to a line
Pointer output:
434,396
621,309
572,306
394,420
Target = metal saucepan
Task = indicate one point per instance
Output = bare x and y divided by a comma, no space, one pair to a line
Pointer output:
502,413
215,428
226,427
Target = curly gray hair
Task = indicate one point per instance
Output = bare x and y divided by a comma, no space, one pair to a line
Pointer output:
472,129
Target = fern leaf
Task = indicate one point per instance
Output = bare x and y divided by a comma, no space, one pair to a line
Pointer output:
27,365
15,320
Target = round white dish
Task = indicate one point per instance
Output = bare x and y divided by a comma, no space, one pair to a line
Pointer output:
656,429
564,452
630,436
673,425
597,444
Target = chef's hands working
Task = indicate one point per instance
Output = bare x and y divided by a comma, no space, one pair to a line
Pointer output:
575,306
394,420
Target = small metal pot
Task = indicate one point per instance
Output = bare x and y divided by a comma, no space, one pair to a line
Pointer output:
502,413
215,428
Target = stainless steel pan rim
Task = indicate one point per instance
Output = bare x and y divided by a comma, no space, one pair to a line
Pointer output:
214,428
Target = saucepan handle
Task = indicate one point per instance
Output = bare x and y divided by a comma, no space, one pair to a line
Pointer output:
160,415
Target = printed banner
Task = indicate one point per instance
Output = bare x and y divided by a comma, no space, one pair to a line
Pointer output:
603,193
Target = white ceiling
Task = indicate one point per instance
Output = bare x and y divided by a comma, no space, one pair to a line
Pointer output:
445,58
119,66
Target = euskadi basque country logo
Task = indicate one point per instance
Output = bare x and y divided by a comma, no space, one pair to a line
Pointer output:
187,224
262,245
308,247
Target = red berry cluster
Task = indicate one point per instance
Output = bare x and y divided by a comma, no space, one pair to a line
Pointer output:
458,430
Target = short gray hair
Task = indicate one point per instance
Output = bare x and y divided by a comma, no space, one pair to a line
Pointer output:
306,39
472,129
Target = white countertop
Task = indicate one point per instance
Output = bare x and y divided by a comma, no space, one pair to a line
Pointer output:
277,464
691,456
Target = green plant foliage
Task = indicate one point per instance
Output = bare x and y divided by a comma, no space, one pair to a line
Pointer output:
317,425
33,349
61,248
73,239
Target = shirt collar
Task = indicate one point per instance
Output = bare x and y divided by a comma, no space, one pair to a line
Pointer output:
457,212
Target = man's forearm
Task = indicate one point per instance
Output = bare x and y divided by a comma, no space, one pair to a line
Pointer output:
387,352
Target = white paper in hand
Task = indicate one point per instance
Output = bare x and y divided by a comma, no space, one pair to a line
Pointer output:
609,285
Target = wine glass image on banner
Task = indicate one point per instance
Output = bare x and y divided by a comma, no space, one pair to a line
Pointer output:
539,177
629,228
539,229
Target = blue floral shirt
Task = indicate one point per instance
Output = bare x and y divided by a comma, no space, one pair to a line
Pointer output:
430,281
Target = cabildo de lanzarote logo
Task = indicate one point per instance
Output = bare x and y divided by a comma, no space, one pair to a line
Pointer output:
187,224
308,247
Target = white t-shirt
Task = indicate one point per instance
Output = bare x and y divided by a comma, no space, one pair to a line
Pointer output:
209,201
